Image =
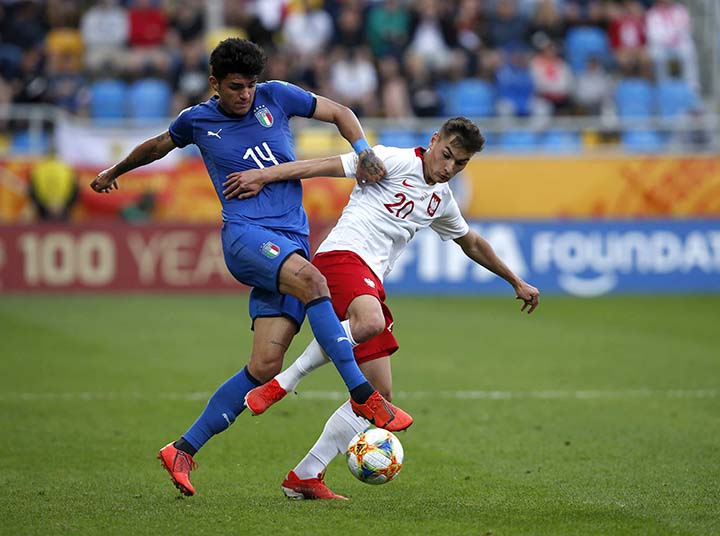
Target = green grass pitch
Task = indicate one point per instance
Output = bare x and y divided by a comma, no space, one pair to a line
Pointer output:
588,417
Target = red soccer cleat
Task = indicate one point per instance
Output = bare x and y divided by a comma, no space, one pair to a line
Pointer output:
310,488
382,413
258,400
178,464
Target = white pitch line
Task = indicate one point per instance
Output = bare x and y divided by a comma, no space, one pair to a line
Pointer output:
400,395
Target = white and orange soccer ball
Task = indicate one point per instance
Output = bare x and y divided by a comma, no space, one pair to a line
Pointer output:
375,456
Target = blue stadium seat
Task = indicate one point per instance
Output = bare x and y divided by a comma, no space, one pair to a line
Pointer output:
108,99
642,141
584,42
22,142
561,141
471,97
634,98
397,138
674,98
517,141
150,98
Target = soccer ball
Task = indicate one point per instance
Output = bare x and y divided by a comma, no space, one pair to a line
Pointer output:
375,456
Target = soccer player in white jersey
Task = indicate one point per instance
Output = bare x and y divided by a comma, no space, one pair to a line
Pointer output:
374,229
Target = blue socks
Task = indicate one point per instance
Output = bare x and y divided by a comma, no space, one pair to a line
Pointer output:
334,341
222,409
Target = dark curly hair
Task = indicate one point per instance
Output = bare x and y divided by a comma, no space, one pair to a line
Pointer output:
467,134
238,56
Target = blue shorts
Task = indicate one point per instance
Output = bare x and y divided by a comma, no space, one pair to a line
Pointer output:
254,256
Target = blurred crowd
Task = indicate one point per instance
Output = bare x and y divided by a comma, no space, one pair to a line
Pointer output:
392,58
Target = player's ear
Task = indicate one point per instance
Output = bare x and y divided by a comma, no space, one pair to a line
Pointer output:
214,84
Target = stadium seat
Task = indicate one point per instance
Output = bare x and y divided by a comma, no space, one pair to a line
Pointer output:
108,99
150,98
674,98
517,141
584,42
634,98
398,138
23,142
471,97
642,141
560,141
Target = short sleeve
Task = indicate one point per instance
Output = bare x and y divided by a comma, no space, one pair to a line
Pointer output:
349,162
181,129
293,99
392,158
451,224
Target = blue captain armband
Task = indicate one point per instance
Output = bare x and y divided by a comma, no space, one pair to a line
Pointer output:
360,145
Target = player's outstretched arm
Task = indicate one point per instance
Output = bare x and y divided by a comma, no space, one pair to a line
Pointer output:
242,184
370,168
479,250
148,151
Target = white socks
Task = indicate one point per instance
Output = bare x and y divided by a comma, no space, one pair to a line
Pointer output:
339,430
311,359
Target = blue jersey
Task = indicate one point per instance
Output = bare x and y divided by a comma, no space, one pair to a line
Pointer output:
259,139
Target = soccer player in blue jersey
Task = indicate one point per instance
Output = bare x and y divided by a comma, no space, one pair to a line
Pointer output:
264,238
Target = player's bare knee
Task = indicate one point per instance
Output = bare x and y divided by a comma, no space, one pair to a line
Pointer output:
368,327
314,285
264,370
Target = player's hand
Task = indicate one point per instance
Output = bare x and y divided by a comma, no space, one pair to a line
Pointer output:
370,168
105,182
529,295
244,184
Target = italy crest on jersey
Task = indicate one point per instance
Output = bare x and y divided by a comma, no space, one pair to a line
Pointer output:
264,117
270,250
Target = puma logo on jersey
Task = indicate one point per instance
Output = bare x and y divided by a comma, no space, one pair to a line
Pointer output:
341,339
215,134
369,282
407,184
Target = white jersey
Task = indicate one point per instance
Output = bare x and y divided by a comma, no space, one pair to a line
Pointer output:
380,219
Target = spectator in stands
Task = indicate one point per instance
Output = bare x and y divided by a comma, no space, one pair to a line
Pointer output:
354,80
349,29
626,32
388,28
471,25
593,89
187,18
425,98
307,30
148,24
23,24
66,81
669,35
547,23
105,29
53,189
433,33
394,92
552,77
31,84
514,84
508,28
190,75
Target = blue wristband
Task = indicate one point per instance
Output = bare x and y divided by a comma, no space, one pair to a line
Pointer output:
360,145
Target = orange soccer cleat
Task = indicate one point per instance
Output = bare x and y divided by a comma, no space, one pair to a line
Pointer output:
382,413
179,464
310,488
258,400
